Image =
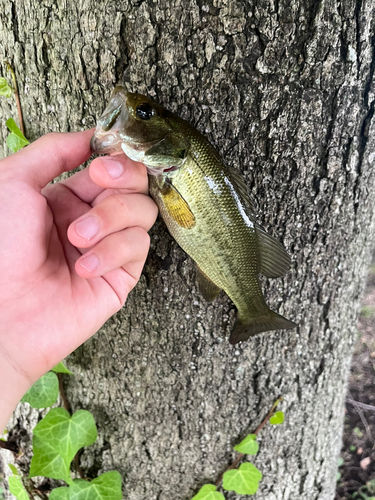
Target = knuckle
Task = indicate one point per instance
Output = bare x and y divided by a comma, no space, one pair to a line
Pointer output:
51,141
51,136
143,239
120,203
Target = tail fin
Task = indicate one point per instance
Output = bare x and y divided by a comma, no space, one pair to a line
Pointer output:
250,327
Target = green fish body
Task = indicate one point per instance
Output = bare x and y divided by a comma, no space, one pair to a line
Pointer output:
203,203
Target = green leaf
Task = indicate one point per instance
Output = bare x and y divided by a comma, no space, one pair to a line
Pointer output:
60,494
5,89
107,486
47,462
13,127
16,487
277,418
13,469
57,438
244,481
44,392
208,492
249,446
358,432
61,368
367,311
15,140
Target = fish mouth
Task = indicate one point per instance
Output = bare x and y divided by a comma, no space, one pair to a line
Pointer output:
117,133
107,136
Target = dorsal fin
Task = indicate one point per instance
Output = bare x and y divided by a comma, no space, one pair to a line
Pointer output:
241,189
207,288
274,259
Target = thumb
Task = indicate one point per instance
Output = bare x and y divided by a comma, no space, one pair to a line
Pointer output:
46,158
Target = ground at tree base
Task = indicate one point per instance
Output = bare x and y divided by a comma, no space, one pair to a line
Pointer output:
356,476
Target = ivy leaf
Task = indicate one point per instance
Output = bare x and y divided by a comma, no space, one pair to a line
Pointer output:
44,392
244,481
108,485
47,462
60,494
16,487
13,469
61,368
57,438
5,432
249,446
277,418
15,140
208,492
5,89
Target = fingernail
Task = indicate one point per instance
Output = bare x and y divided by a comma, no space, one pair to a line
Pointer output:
90,262
88,227
113,167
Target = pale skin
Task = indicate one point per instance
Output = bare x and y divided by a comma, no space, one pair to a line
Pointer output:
70,253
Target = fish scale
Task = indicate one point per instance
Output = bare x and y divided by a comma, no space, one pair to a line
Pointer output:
203,203
224,251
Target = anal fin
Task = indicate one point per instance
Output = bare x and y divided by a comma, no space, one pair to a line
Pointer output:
207,288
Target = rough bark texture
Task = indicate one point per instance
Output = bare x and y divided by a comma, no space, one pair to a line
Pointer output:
285,90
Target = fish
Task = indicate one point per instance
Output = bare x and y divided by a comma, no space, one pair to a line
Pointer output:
204,203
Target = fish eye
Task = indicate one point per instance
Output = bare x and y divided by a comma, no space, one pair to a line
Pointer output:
144,111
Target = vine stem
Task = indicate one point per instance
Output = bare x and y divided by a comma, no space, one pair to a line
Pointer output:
31,490
64,399
13,447
67,407
240,456
16,95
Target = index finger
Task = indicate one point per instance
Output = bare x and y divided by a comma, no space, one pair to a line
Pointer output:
119,172
106,172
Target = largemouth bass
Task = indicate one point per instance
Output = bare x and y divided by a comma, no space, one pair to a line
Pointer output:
203,203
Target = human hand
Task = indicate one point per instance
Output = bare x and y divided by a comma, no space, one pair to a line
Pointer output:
53,298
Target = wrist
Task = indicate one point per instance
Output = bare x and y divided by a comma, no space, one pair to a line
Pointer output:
13,385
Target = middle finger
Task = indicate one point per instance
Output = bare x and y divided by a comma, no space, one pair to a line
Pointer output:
114,213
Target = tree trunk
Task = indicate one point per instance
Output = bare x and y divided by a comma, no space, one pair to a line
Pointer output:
285,91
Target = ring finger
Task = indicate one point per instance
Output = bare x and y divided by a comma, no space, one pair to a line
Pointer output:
127,249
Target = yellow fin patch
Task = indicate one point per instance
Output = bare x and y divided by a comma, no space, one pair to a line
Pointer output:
177,207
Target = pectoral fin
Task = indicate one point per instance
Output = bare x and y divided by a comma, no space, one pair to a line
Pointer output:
274,260
207,288
176,206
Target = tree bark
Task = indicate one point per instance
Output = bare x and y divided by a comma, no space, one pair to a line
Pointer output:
285,90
